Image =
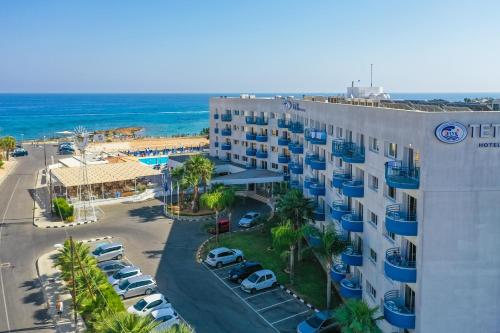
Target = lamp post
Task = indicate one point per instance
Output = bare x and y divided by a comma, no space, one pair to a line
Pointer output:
44,153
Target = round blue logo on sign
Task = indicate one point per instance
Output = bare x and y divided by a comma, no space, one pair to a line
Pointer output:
451,132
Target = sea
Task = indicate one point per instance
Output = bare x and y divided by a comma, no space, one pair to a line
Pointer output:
33,116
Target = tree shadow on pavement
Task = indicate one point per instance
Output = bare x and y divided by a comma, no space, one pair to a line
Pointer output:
147,214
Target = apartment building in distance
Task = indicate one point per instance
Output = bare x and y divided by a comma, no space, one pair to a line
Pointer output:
414,187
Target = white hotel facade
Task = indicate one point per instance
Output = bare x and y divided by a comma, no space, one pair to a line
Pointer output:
419,202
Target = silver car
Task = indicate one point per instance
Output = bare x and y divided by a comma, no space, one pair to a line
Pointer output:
108,251
112,266
223,256
135,286
124,273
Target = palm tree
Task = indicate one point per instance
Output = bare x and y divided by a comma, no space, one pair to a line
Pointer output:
206,172
81,254
295,207
331,245
182,328
198,169
355,316
8,144
285,236
177,175
123,322
219,199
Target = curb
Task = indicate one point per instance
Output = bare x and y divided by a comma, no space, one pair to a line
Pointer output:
91,240
64,225
191,219
300,299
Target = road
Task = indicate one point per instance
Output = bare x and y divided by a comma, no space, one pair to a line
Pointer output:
161,247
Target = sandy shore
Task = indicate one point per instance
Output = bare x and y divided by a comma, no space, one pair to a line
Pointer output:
153,143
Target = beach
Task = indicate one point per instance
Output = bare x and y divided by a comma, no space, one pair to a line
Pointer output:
150,142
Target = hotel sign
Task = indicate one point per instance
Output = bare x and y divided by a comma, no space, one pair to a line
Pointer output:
289,105
454,132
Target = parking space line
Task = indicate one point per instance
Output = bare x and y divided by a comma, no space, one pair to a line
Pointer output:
295,315
243,300
265,292
279,303
239,286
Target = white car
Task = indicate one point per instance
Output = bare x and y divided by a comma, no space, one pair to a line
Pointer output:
148,304
124,273
259,280
223,256
167,317
248,219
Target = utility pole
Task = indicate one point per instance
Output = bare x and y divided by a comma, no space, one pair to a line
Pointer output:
371,75
44,153
72,249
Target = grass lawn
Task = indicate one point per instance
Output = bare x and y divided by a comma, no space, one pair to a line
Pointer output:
310,279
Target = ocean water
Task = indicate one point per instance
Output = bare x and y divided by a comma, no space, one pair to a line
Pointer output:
32,116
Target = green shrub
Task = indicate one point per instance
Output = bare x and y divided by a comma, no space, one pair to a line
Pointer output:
62,208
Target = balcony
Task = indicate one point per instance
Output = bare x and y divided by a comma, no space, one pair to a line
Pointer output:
308,181
261,154
226,146
261,138
251,152
283,159
316,137
352,257
226,117
250,120
296,148
339,177
216,144
226,132
317,189
353,188
314,240
339,209
295,184
352,222
216,130
309,157
319,214
282,123
338,271
318,163
350,152
296,127
296,168
400,222
282,141
351,288
396,312
216,116
398,267
286,177
399,175
250,136
260,121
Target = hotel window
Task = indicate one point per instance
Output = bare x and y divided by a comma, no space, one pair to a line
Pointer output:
236,112
373,255
271,115
372,218
390,192
373,182
274,149
370,290
244,158
236,156
391,150
274,132
236,142
274,166
330,129
374,147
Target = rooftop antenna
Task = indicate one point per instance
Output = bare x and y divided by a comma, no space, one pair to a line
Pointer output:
371,75
352,82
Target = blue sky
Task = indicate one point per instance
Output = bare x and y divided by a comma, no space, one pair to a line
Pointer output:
248,46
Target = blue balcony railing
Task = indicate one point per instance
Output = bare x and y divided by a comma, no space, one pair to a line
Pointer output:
396,312
282,141
338,147
338,271
351,288
339,177
283,159
226,117
352,222
339,209
317,189
350,152
319,214
295,184
251,152
261,154
226,146
353,188
296,168
315,136
250,136
314,240
282,123
216,116
226,132
297,127
296,148
400,222
261,121
309,157
308,181
261,138
399,175
398,267
250,120
216,130
318,163
286,177
352,257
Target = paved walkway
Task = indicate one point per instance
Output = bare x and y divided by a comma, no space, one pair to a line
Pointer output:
53,286
7,168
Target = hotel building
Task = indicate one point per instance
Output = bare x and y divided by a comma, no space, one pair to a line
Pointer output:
415,188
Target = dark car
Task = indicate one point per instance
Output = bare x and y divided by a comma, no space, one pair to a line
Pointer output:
19,152
320,322
244,270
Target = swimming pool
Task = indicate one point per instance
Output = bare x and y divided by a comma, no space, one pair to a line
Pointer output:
154,160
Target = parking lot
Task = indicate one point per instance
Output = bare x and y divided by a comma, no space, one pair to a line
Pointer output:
280,310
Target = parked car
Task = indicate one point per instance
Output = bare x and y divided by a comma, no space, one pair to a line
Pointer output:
259,280
167,317
148,304
223,256
222,226
320,322
108,251
124,273
112,266
19,152
248,220
135,286
244,270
